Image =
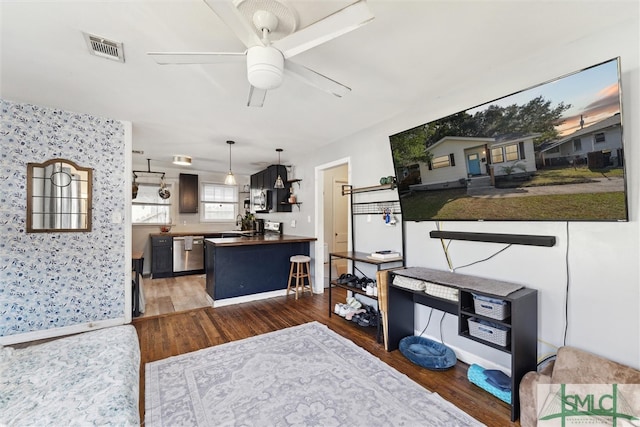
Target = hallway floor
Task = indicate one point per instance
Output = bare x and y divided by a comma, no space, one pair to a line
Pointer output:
173,294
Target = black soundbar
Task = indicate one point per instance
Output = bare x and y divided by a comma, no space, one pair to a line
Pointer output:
515,239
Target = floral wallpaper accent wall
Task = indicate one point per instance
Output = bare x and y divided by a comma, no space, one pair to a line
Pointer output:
51,280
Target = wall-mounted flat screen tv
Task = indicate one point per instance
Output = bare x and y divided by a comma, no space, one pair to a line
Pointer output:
553,152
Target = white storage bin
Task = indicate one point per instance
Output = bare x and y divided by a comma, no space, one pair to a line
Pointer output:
486,331
491,307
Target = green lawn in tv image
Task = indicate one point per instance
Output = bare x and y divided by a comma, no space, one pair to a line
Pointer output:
543,197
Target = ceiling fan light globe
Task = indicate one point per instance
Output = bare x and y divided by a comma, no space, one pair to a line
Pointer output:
263,19
265,66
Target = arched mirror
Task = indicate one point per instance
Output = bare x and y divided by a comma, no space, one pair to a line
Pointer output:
58,197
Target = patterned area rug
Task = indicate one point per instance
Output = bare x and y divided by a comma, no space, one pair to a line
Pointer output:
306,375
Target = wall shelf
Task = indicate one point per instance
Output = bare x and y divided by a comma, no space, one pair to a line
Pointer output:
291,181
349,189
291,204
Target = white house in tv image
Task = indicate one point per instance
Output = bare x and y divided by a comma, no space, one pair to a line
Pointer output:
598,146
459,161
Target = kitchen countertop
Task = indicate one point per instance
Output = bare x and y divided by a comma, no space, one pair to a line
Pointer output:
266,239
200,233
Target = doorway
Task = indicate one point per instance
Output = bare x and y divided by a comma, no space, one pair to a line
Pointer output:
332,213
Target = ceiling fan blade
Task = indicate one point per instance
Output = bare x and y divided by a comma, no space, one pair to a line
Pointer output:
335,25
316,79
256,97
164,58
231,16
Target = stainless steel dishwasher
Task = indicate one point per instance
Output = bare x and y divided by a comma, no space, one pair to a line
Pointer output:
188,253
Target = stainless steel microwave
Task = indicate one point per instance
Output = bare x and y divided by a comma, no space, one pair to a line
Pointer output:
261,200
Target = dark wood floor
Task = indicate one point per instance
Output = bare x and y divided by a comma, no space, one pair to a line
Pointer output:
177,333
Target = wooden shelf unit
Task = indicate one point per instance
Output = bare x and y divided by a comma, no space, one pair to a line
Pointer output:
363,258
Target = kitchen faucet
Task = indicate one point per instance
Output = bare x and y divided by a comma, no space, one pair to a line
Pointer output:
238,219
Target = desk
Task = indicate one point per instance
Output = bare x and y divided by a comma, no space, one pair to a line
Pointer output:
137,262
522,323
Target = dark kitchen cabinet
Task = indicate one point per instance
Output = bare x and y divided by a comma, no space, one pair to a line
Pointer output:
265,179
161,256
280,195
188,197
259,182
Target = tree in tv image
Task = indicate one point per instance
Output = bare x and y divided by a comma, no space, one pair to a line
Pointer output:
552,152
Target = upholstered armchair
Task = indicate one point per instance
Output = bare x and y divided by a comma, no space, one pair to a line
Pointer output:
572,366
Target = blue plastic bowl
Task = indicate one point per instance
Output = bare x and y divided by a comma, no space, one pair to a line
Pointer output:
427,353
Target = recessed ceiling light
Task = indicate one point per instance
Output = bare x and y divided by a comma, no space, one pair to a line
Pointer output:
182,160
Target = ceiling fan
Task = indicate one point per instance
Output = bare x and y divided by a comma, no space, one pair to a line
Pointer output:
267,57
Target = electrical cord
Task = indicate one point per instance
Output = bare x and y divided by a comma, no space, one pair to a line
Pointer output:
566,293
428,321
445,249
544,361
486,259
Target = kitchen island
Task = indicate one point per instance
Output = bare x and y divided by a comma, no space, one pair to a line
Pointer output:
252,267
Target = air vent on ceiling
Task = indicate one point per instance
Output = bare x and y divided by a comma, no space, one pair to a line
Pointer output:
104,48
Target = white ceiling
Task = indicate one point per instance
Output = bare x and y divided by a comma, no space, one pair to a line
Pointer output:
412,52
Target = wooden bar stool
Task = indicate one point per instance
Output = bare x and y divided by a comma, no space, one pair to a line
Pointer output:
300,269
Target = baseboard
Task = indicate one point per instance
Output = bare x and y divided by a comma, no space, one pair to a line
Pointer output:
249,298
59,332
470,358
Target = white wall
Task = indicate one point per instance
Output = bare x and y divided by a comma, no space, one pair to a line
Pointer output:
600,260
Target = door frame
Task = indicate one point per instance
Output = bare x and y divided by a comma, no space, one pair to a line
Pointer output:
319,215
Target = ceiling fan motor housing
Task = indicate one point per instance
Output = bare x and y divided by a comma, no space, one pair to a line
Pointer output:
265,65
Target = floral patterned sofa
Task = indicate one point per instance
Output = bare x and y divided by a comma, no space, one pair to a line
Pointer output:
86,379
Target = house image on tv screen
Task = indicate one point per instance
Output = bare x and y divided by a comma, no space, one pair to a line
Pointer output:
597,146
457,162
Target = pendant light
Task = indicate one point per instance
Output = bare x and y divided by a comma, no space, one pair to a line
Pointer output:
279,183
230,179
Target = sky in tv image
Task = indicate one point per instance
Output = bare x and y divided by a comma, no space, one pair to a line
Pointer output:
593,94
